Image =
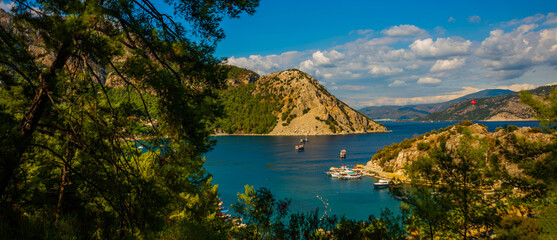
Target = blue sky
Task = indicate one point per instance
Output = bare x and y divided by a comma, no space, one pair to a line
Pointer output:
400,52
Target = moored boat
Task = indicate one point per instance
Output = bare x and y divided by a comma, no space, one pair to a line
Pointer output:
343,153
381,184
299,147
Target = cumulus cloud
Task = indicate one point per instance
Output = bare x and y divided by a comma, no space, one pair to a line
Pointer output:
267,64
440,48
451,19
405,30
514,53
319,59
428,81
397,83
442,65
475,19
384,71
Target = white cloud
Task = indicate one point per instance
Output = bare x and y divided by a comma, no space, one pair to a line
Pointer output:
428,81
512,54
320,59
267,64
362,32
451,19
384,71
442,65
518,87
442,47
475,19
379,101
353,87
551,19
397,83
404,31
440,30
6,6
412,67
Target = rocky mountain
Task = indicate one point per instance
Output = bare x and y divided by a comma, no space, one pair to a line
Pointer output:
409,112
501,108
508,144
287,103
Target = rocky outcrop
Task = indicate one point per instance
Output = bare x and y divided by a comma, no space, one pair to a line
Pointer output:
301,105
310,109
503,142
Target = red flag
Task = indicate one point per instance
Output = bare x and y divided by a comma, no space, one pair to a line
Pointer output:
474,102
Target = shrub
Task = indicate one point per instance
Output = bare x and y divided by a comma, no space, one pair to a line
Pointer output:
512,128
536,130
466,123
422,146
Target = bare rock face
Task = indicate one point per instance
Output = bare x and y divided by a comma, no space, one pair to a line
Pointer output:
308,108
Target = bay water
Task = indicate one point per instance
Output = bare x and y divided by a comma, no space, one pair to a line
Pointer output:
273,163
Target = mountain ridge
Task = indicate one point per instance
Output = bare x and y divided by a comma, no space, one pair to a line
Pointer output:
499,108
410,112
289,102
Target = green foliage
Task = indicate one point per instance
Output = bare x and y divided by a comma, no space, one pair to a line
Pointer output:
515,227
456,176
247,112
305,111
70,166
466,123
536,130
546,113
423,146
511,128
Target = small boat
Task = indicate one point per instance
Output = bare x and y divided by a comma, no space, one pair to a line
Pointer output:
343,153
381,184
299,147
140,147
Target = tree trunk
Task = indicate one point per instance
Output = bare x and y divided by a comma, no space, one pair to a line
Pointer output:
29,122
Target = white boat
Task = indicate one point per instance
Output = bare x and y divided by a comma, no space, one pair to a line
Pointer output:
381,184
343,153
344,173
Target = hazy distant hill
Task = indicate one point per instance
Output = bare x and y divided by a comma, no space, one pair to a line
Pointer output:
501,108
409,112
286,103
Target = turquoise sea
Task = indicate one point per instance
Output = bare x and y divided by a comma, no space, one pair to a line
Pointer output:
272,162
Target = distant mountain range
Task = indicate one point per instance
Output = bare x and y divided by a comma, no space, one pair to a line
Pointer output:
410,112
500,108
